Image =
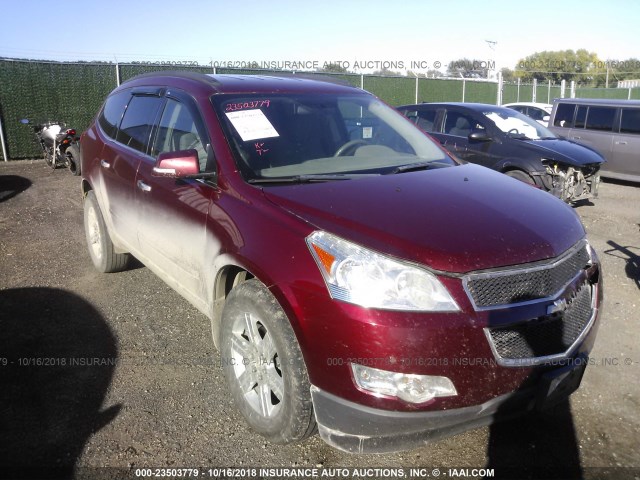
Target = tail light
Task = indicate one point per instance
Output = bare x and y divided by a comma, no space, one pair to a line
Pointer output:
71,131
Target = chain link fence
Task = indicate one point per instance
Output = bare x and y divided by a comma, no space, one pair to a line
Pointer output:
73,92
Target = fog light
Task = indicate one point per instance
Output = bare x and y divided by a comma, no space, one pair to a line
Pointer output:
405,386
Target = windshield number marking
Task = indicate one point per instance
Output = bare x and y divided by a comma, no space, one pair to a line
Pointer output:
259,148
232,107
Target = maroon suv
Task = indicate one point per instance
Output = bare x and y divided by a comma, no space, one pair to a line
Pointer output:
357,278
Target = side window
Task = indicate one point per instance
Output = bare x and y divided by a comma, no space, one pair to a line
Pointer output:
536,113
630,120
564,115
426,120
581,116
178,131
138,121
460,124
112,112
600,118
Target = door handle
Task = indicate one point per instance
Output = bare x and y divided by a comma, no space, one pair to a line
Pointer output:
576,138
143,186
621,143
105,164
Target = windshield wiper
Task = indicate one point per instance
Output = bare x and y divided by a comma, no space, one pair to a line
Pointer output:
412,167
310,178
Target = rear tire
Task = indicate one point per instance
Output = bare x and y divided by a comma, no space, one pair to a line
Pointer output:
72,156
101,249
264,367
521,175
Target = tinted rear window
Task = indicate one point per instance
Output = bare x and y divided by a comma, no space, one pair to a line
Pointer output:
112,112
630,120
601,118
564,115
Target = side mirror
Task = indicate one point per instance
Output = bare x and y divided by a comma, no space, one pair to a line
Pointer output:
180,164
546,118
479,136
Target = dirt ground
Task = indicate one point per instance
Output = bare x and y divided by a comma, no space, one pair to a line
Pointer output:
149,392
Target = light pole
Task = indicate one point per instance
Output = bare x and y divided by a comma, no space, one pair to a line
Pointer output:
493,44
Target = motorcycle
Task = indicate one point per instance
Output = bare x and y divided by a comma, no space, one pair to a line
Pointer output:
59,144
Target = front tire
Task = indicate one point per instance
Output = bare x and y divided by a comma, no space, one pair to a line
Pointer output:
50,157
263,364
522,176
101,249
72,159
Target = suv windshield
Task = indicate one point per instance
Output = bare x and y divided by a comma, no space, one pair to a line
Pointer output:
518,125
277,136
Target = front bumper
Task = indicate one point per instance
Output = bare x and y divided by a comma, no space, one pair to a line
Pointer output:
355,428
571,184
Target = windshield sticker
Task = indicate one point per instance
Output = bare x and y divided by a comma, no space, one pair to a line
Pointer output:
260,148
233,107
367,132
252,124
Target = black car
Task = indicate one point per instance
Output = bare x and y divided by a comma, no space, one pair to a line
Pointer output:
510,142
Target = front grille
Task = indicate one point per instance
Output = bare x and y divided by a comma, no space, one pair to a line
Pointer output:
525,284
545,336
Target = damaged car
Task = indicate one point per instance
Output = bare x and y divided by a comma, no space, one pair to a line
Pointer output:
512,143
360,282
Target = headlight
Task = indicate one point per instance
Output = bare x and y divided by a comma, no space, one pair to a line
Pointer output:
405,386
357,275
593,256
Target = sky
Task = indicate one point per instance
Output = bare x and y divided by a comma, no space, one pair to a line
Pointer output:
427,32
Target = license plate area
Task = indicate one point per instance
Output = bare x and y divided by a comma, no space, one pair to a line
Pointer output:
557,385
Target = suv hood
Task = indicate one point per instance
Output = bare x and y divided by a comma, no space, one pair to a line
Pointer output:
565,151
453,219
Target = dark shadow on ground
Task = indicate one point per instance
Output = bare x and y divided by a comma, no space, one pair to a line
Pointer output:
585,202
624,183
57,357
541,445
632,269
12,185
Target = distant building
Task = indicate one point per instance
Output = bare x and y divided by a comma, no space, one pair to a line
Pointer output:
628,83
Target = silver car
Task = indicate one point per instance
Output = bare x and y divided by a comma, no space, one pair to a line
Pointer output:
610,126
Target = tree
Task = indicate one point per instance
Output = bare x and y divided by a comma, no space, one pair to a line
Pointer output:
628,69
385,72
508,75
580,66
468,68
333,68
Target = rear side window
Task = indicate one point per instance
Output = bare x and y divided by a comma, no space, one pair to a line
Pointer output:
600,118
536,113
564,115
112,112
630,120
138,121
426,120
581,116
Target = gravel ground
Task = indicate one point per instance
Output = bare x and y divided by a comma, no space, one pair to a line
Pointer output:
160,398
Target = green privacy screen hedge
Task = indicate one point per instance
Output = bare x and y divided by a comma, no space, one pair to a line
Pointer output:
73,92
